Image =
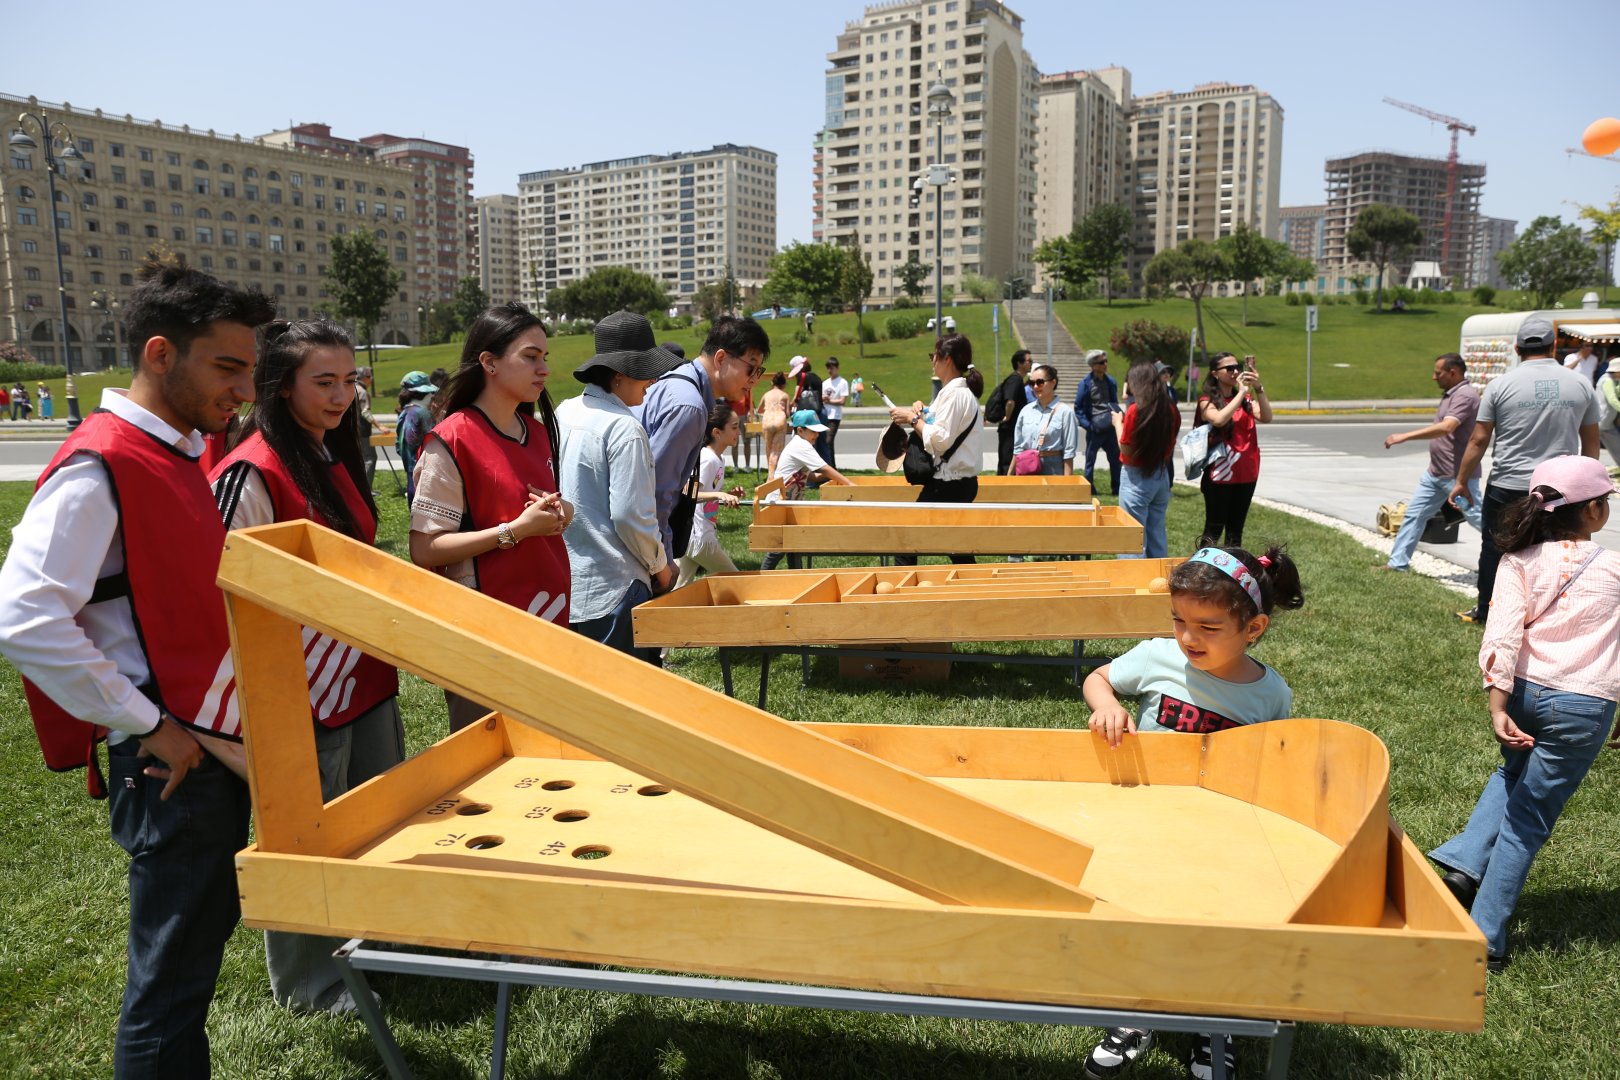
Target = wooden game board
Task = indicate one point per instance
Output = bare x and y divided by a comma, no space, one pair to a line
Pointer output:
613,813
1105,598
992,489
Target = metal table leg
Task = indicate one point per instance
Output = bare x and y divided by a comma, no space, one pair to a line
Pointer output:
503,1016
764,676
1282,1049
366,1004
804,674
725,670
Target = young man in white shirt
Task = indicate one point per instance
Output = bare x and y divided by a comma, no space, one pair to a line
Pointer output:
109,610
834,392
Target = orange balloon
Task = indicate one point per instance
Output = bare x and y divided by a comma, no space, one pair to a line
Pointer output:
1602,137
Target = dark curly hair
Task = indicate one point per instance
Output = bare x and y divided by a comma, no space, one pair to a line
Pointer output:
1278,577
178,303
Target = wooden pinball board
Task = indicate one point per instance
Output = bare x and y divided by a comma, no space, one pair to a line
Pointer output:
992,489
958,528
1104,598
610,812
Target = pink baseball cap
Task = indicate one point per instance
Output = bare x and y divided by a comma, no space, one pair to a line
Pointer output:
1575,477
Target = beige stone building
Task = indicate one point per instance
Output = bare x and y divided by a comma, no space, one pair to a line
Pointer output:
1201,161
682,218
878,138
441,198
258,215
494,234
1082,139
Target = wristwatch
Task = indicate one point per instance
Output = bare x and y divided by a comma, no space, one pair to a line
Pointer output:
503,536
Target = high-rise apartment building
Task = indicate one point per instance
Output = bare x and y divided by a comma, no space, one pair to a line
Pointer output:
685,219
1300,227
1201,162
250,212
442,191
1082,160
1492,237
495,247
878,139
1414,184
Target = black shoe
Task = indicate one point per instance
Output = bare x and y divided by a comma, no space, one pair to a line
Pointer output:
1462,887
1496,964
1472,615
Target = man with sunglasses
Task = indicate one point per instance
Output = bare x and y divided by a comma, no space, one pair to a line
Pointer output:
1095,404
675,411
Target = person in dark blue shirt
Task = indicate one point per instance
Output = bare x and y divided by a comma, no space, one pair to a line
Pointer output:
1095,404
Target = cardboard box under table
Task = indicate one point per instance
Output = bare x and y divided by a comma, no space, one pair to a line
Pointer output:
901,528
870,613
992,489
653,823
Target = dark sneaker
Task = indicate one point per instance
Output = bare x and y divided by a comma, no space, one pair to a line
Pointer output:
1119,1048
1201,1065
1473,615
1496,964
1462,887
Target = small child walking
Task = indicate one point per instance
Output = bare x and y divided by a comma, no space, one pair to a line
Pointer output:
1202,680
1551,660
799,462
703,551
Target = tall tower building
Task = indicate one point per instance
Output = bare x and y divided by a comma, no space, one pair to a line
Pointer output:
1082,157
878,139
1202,161
494,230
1417,185
1491,238
683,218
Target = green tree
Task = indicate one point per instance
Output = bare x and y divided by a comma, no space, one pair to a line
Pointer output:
363,282
443,322
1606,231
1192,267
1383,234
470,301
1064,261
854,286
1104,237
602,292
1252,258
912,274
710,301
1148,340
981,288
807,275
1549,259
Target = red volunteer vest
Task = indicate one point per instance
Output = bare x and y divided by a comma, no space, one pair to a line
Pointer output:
344,683
496,473
172,538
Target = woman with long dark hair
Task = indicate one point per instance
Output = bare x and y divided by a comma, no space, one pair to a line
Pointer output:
487,511
951,432
1232,403
297,455
1147,442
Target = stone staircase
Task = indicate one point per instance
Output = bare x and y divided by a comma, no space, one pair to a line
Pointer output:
1028,319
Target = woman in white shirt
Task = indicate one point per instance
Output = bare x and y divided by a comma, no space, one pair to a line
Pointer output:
951,435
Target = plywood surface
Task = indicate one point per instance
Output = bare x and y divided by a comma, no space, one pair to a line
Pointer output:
992,489
924,528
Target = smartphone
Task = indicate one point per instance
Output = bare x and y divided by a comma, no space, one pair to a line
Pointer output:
1248,363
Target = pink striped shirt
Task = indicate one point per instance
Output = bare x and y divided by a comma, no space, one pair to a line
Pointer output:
1575,645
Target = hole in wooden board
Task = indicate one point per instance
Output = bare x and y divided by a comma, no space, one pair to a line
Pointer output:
557,785
570,815
653,789
484,843
592,851
473,809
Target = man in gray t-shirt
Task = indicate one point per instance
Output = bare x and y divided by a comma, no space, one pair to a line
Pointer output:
1537,411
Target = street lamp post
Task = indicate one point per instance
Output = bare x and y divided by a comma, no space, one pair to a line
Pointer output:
940,102
49,131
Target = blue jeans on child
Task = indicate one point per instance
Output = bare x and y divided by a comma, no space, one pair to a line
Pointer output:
1523,798
1423,504
1145,495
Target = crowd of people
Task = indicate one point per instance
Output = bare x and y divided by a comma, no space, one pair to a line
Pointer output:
577,513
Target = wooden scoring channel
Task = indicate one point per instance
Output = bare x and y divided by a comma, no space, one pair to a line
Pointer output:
922,528
992,489
991,602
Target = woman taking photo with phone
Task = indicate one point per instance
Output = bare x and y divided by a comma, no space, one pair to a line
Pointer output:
487,511
1233,401
949,429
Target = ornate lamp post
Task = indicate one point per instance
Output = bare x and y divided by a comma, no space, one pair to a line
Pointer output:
50,131
940,103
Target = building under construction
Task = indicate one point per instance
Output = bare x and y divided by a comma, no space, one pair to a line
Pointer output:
1417,185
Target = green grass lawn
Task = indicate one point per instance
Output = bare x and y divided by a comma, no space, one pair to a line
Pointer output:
1378,650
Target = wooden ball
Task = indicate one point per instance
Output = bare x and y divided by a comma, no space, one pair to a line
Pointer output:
884,588
926,584
1159,584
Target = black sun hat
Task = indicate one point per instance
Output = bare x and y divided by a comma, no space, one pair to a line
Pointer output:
625,343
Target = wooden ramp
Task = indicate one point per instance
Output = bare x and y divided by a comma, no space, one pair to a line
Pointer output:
654,823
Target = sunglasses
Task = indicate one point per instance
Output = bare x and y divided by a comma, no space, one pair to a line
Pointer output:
1039,382
1229,367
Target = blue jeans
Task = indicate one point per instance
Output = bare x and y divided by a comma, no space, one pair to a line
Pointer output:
1145,495
1103,440
1424,503
183,907
616,629
1523,798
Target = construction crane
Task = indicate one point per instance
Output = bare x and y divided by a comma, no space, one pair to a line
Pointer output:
1453,125
1571,151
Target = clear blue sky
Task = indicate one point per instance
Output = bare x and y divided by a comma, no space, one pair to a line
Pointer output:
543,85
